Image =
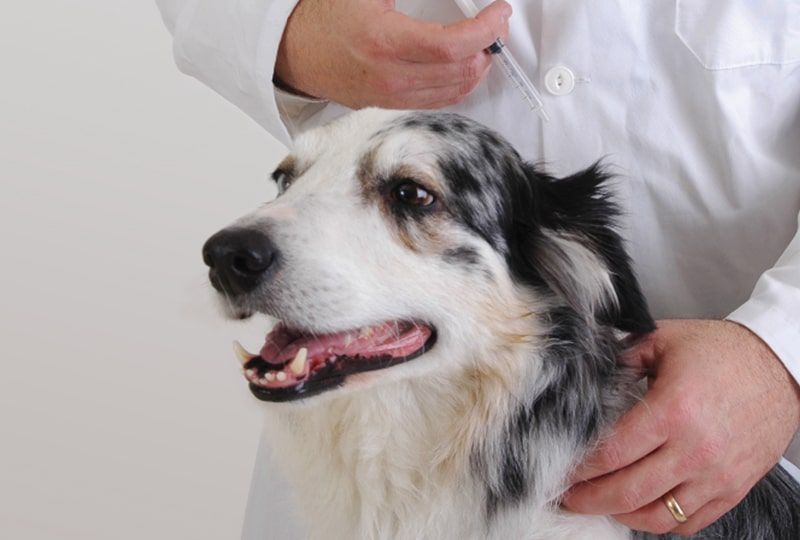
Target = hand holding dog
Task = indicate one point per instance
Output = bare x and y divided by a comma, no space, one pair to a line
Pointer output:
720,411
364,53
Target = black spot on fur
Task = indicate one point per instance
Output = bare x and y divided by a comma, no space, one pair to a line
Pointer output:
488,152
474,199
515,471
465,179
463,255
438,127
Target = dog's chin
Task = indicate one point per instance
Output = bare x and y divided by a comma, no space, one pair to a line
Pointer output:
297,364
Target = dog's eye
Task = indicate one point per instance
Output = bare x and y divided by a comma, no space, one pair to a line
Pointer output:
283,180
412,194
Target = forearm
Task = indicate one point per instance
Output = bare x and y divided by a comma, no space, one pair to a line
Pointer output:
771,311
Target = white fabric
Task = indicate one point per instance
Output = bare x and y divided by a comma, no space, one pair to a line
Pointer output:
695,104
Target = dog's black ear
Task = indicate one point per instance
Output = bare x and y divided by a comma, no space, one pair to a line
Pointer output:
562,234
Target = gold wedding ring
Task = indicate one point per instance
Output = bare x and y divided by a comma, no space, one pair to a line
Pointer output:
674,508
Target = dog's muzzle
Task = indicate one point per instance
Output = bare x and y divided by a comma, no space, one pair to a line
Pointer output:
239,260
296,363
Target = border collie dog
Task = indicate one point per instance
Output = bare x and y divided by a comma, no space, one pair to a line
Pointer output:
451,320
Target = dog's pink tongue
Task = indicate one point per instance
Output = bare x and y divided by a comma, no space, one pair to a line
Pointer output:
388,338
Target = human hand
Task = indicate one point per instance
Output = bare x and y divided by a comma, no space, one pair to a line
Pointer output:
364,53
719,412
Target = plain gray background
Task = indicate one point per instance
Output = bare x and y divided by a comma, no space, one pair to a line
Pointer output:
122,410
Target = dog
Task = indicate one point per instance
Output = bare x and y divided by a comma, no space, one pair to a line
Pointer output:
451,323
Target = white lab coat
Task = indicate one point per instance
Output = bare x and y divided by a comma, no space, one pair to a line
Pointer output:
695,104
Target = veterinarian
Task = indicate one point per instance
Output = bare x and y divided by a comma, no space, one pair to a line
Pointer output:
696,104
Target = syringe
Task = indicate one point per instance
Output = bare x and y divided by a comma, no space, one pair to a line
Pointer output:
510,66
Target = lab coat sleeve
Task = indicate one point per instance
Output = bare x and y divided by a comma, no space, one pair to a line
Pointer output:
773,310
231,46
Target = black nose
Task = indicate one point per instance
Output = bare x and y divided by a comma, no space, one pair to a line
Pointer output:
239,259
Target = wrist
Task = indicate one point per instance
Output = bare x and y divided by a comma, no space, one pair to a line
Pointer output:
290,89
288,70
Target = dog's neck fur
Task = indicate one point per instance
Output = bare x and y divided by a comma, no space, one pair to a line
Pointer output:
441,457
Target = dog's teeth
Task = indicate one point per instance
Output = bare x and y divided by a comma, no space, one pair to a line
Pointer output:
270,376
366,332
348,340
281,376
298,365
242,354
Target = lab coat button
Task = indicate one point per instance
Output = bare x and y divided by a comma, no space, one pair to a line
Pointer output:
559,80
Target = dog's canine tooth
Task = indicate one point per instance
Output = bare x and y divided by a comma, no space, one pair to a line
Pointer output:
242,354
270,376
298,365
281,376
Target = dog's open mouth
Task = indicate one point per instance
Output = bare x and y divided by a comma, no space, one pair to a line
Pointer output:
293,364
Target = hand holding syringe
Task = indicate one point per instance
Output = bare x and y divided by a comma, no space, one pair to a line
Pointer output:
509,66
361,54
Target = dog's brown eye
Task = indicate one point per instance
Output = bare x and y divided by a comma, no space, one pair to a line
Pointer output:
413,194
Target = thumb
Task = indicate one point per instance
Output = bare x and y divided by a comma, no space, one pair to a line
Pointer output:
496,15
423,41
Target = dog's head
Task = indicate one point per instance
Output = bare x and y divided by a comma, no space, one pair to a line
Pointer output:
414,236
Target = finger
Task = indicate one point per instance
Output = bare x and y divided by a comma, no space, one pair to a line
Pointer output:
438,105
420,76
629,489
638,433
656,518
435,98
407,78
704,517
423,41
430,98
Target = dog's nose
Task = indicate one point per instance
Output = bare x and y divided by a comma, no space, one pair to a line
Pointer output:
238,259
